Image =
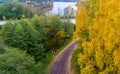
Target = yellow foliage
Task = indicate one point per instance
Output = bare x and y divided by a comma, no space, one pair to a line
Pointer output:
60,34
51,16
116,58
23,16
80,22
88,70
100,21
99,57
3,18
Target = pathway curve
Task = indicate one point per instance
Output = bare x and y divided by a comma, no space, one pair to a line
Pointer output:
61,63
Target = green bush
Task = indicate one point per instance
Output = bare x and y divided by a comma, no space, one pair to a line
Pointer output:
14,11
37,35
2,49
23,35
15,61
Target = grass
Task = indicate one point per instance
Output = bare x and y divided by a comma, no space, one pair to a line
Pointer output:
74,67
50,57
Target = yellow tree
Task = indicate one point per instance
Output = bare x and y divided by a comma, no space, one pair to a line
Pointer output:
91,7
84,18
3,18
81,15
100,54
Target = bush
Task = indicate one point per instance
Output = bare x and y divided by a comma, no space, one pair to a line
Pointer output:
15,61
35,36
2,49
23,36
14,11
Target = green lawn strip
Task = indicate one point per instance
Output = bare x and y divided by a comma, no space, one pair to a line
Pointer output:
74,67
50,57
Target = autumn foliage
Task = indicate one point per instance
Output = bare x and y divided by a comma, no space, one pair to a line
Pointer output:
98,30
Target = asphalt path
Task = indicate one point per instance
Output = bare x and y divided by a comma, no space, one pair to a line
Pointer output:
61,63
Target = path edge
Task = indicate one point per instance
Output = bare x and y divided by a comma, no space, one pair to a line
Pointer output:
50,66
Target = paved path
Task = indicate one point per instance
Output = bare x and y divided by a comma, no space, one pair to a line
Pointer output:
61,63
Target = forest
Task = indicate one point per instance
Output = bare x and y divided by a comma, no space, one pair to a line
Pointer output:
17,10
98,31
27,43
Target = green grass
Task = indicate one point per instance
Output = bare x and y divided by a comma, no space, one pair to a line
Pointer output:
50,57
74,67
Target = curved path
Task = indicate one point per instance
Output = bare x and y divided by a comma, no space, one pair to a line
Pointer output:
61,63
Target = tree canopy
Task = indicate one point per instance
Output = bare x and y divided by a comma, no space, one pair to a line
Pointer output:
36,35
100,46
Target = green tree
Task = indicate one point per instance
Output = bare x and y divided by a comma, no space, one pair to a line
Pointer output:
15,10
15,61
55,26
39,22
28,12
7,33
68,28
11,10
23,35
